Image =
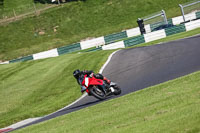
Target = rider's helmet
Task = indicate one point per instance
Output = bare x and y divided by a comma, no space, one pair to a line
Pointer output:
77,73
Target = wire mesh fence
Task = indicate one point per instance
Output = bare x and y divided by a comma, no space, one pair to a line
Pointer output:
6,13
155,20
190,8
1,3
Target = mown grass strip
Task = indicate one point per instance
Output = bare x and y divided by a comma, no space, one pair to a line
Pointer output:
172,106
15,7
37,88
76,21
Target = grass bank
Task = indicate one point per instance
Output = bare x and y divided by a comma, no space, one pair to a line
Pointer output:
36,88
170,107
76,21
18,7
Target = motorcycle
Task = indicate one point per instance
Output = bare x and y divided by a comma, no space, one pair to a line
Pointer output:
98,87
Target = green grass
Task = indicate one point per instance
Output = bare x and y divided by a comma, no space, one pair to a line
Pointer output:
169,107
36,88
21,86
76,21
19,6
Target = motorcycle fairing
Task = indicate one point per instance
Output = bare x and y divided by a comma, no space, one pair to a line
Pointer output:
91,81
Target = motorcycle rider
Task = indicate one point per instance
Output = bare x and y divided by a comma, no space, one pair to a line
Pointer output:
77,73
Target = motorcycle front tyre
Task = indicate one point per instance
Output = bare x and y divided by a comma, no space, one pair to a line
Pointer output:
95,94
117,90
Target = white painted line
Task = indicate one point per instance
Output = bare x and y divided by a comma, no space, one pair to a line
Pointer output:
3,130
108,60
84,95
21,123
6,62
27,121
179,39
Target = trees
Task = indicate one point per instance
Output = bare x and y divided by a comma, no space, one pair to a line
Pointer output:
43,1
1,3
55,1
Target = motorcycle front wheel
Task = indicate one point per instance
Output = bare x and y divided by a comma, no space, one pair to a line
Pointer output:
117,90
98,93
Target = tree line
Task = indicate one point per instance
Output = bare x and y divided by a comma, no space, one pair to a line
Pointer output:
54,1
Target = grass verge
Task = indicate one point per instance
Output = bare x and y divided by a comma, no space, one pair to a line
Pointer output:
8,8
171,38
76,21
172,106
36,88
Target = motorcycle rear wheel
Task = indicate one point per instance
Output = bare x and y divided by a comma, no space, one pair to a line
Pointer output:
98,93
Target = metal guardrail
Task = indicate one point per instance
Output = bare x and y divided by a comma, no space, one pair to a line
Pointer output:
182,6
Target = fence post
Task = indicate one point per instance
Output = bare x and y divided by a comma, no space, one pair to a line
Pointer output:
14,13
165,17
35,8
59,2
182,11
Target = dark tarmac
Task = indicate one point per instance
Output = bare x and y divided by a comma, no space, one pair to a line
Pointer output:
137,68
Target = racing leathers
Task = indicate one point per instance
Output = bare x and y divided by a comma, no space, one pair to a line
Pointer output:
90,74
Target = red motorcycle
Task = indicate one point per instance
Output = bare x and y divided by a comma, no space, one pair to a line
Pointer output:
98,87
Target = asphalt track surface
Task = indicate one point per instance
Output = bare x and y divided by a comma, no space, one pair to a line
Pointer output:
137,68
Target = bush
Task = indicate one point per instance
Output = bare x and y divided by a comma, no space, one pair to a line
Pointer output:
42,1
1,3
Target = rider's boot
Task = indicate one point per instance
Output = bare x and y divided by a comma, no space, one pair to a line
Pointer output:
107,81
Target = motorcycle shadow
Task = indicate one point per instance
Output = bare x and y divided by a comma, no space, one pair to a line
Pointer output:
86,104
90,103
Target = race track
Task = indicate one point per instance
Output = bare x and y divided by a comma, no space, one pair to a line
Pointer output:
137,68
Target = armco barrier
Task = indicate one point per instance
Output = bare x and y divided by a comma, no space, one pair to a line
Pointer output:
45,54
154,35
94,49
158,26
117,36
69,48
133,32
177,20
114,46
198,15
190,16
147,28
6,62
26,58
134,41
175,29
113,37
92,43
161,33
192,25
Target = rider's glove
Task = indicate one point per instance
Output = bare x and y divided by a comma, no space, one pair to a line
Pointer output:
83,88
91,75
